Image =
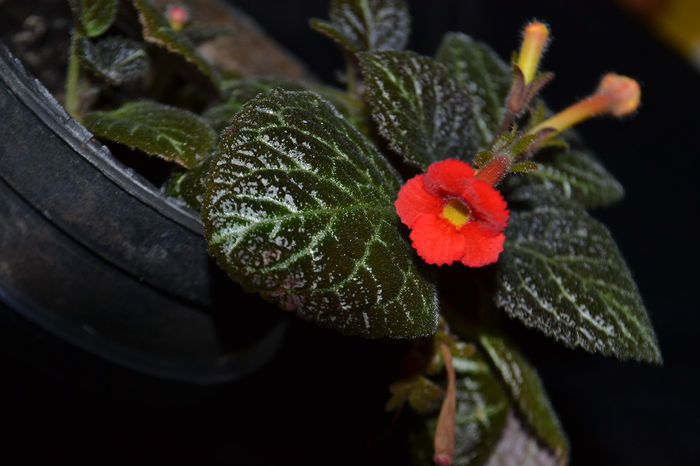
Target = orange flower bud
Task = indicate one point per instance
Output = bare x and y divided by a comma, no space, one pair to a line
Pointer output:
534,41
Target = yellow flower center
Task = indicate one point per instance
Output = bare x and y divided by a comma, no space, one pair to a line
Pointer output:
456,212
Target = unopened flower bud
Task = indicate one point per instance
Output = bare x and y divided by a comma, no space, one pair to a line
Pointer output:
534,41
177,16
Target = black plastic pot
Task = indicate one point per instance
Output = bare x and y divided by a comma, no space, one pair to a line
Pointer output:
95,261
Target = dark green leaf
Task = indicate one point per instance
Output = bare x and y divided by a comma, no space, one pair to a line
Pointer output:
299,207
238,92
420,393
97,16
576,174
561,273
189,185
360,25
114,59
526,389
172,133
482,158
518,447
157,31
424,114
485,75
482,407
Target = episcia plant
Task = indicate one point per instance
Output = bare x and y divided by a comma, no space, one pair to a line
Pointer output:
428,201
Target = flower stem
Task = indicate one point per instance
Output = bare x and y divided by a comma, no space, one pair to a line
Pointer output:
73,78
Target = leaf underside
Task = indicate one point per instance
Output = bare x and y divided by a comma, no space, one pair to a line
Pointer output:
562,273
361,25
299,207
518,447
486,77
171,133
424,114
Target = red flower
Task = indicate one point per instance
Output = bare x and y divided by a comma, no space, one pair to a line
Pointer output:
453,215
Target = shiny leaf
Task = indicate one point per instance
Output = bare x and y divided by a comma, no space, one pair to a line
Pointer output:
562,273
299,207
361,25
157,31
171,133
424,114
97,16
527,391
115,59
487,78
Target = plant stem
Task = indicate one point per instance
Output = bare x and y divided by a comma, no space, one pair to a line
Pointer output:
351,74
73,78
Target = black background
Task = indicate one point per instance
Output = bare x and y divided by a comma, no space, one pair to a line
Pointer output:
321,400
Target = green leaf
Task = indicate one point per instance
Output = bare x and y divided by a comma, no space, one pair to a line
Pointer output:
578,175
299,207
482,407
115,59
424,114
420,393
156,30
517,446
172,133
524,167
562,273
189,185
361,25
97,16
487,77
240,91
527,391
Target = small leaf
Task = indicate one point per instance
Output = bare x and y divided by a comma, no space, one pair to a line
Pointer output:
482,407
518,447
561,273
524,167
420,393
523,144
299,207
527,391
578,175
240,91
424,114
361,25
97,16
172,133
486,77
156,30
115,59
482,158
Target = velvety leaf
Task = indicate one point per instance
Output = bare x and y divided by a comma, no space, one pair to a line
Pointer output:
482,407
424,114
420,393
157,31
189,185
487,77
576,174
115,59
97,16
525,167
299,207
238,92
527,391
172,133
360,25
562,273
517,447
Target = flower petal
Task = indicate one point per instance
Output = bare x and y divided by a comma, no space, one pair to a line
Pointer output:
436,240
413,201
447,178
488,206
481,248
